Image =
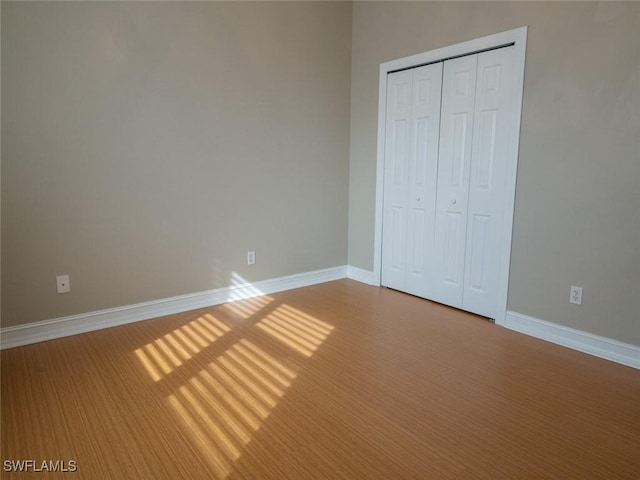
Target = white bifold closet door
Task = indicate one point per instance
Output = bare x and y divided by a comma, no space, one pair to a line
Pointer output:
456,250
411,167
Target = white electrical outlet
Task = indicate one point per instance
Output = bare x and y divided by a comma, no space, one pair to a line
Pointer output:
251,257
575,295
63,284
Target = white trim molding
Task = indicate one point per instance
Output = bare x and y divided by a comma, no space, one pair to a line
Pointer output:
88,322
361,275
602,347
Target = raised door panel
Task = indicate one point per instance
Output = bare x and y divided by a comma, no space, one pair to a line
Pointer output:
491,131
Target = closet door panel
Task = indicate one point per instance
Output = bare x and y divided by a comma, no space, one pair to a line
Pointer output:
396,179
411,156
423,170
491,131
457,119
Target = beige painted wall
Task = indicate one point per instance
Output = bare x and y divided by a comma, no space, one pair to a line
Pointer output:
0,171
147,146
577,216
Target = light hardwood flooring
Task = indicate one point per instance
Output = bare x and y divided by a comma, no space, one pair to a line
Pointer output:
335,381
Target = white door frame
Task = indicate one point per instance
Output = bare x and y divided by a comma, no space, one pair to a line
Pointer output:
516,37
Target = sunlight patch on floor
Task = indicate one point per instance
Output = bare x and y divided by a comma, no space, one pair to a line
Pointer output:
163,355
249,307
225,403
229,400
296,329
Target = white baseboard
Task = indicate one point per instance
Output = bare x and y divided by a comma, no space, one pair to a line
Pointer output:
361,275
87,322
602,347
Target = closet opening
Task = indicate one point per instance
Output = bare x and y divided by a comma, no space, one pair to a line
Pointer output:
448,135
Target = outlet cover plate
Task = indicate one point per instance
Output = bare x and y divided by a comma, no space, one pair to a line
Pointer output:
62,282
575,295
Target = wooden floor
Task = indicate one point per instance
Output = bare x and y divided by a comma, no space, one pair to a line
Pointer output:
338,380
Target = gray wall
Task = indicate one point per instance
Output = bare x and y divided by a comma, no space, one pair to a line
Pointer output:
147,146
577,215
0,171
